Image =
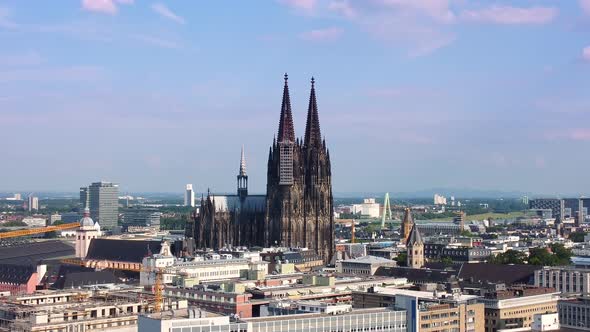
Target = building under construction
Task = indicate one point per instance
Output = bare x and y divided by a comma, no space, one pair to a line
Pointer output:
79,310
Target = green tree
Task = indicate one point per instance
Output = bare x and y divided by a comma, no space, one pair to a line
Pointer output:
402,259
556,254
509,257
466,233
447,261
578,236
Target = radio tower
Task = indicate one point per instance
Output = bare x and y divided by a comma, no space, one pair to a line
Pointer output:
386,210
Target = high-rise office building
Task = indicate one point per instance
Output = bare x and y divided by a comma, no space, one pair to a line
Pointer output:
556,205
33,203
102,199
189,196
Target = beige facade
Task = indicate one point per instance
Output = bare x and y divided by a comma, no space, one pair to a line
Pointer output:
433,311
517,311
448,317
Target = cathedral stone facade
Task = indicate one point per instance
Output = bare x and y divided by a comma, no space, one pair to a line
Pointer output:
297,210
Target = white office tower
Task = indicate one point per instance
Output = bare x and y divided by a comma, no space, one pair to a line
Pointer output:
189,196
33,203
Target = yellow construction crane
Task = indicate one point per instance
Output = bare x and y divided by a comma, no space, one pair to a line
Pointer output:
158,284
40,230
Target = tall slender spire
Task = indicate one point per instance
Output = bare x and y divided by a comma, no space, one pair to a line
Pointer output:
286,129
313,135
242,163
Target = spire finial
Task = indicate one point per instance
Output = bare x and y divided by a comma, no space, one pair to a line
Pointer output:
286,78
312,82
243,162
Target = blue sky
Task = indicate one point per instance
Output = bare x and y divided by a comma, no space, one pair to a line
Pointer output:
412,94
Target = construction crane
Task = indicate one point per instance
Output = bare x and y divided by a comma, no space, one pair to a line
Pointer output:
158,284
40,230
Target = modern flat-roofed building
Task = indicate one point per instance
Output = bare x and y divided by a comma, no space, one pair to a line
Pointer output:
378,319
556,205
514,307
457,253
189,196
227,302
366,265
565,279
144,217
78,310
574,313
427,311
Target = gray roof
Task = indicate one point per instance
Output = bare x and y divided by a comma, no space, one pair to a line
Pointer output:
369,260
232,203
415,237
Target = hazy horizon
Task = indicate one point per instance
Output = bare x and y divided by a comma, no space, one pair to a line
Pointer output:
411,94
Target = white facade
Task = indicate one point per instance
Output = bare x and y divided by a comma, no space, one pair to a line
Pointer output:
33,203
34,222
54,217
545,322
440,200
374,319
368,208
189,196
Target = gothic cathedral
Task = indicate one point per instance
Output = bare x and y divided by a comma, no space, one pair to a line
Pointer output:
297,210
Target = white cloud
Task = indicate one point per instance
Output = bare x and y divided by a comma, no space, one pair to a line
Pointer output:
164,11
343,8
585,4
586,53
306,6
104,6
511,15
438,10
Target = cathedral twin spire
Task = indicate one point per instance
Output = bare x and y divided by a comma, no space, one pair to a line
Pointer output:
313,136
286,128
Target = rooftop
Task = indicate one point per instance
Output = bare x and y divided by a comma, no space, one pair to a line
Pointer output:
369,260
442,296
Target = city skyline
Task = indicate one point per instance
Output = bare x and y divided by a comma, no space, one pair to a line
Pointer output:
412,94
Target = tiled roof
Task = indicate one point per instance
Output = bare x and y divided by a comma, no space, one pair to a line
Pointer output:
34,252
498,273
415,275
415,237
122,250
16,274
